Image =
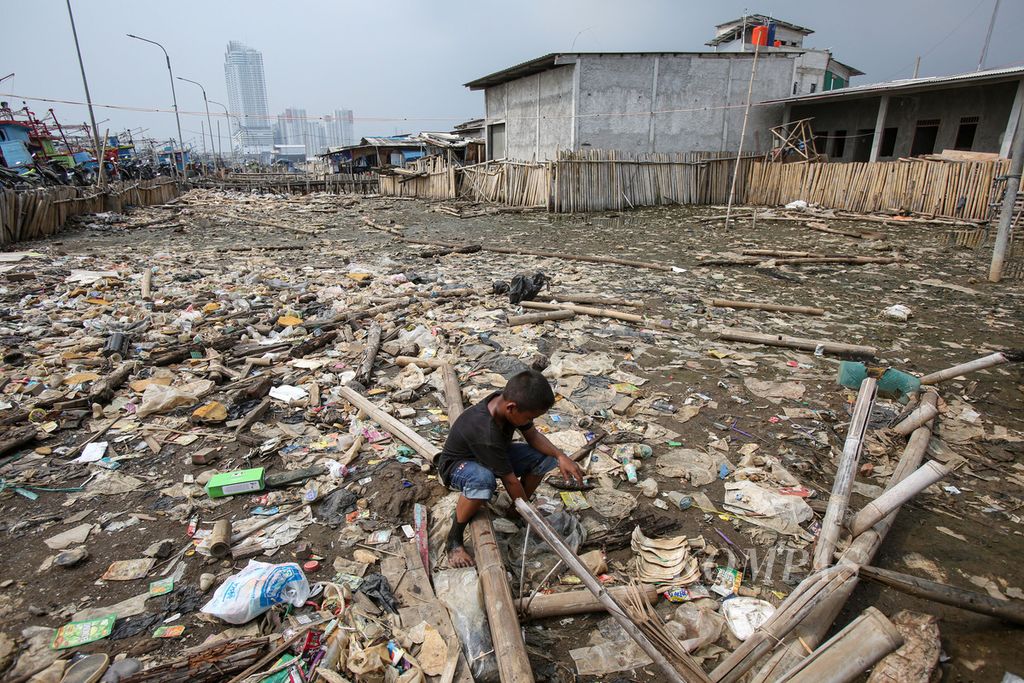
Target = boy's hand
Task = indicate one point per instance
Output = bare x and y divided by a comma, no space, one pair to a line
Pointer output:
569,469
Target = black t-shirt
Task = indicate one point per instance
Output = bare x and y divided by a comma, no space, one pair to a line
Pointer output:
477,436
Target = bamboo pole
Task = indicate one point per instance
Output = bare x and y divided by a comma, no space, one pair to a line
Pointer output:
541,526
733,303
575,602
893,498
393,425
1010,611
989,361
432,363
530,319
837,348
846,471
596,312
849,653
922,414
592,299
372,347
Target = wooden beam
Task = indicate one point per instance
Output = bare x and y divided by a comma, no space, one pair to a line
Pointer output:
596,312
397,428
837,348
735,303
532,318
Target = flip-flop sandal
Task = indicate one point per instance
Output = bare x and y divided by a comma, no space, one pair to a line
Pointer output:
88,669
571,484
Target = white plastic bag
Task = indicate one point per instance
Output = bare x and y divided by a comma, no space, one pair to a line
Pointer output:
257,588
160,399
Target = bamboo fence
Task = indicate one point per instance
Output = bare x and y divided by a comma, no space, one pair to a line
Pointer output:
513,183
32,214
293,183
436,179
954,189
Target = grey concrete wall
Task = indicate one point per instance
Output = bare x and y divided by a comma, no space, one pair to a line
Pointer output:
692,92
519,103
991,103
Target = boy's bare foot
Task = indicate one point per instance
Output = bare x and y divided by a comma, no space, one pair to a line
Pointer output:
458,557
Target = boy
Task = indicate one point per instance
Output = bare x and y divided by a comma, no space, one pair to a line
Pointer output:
479,451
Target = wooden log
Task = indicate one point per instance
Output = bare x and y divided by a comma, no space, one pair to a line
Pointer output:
452,392
313,343
372,347
397,428
891,499
544,606
1010,611
596,312
970,366
847,260
846,471
837,348
16,438
254,415
103,391
592,299
778,252
781,308
920,415
532,318
849,653
571,560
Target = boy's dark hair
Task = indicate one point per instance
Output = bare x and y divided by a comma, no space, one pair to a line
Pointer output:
530,391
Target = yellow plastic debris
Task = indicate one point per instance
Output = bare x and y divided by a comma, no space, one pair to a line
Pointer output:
289,321
214,411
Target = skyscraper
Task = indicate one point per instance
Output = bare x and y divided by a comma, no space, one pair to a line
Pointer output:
339,128
247,96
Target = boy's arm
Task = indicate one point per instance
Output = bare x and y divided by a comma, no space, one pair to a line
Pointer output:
513,487
568,468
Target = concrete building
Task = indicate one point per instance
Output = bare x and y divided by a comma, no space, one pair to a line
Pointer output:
814,69
247,97
295,128
973,112
339,128
651,101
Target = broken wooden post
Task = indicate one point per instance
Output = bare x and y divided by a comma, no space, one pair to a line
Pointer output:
220,539
147,283
846,471
452,392
997,358
1010,611
918,481
575,602
839,349
541,526
849,653
734,303
920,415
532,318
372,347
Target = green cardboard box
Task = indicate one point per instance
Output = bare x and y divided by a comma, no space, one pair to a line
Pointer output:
233,483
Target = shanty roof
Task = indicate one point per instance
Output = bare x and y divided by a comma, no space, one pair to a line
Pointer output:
550,61
854,71
734,33
910,85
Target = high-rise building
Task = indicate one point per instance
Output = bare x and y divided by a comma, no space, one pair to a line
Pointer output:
294,127
247,97
339,128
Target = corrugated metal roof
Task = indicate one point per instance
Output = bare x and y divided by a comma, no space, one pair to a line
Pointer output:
908,84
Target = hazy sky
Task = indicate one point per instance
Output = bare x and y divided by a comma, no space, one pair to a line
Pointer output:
400,65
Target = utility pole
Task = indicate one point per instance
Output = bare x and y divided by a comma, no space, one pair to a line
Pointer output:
231,143
988,36
743,134
995,272
88,97
174,98
206,102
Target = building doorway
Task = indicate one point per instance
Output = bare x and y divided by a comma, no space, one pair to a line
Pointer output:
924,137
862,144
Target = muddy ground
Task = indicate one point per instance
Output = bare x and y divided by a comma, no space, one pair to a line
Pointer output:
202,257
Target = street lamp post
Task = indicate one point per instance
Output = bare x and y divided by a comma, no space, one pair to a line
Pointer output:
227,115
174,98
207,103
88,100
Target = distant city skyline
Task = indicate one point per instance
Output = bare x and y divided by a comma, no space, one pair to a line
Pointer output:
247,98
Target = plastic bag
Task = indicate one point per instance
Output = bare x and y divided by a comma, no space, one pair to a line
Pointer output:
745,615
459,590
523,287
160,399
257,588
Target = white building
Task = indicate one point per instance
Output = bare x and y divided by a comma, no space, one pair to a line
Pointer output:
338,128
247,97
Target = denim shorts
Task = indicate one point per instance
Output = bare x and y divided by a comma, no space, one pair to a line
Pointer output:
476,482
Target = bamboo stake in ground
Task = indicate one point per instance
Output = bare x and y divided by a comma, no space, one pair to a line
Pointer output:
846,470
733,303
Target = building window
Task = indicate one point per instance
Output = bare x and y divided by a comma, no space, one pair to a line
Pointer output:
814,86
796,85
888,146
496,141
965,133
839,144
924,137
